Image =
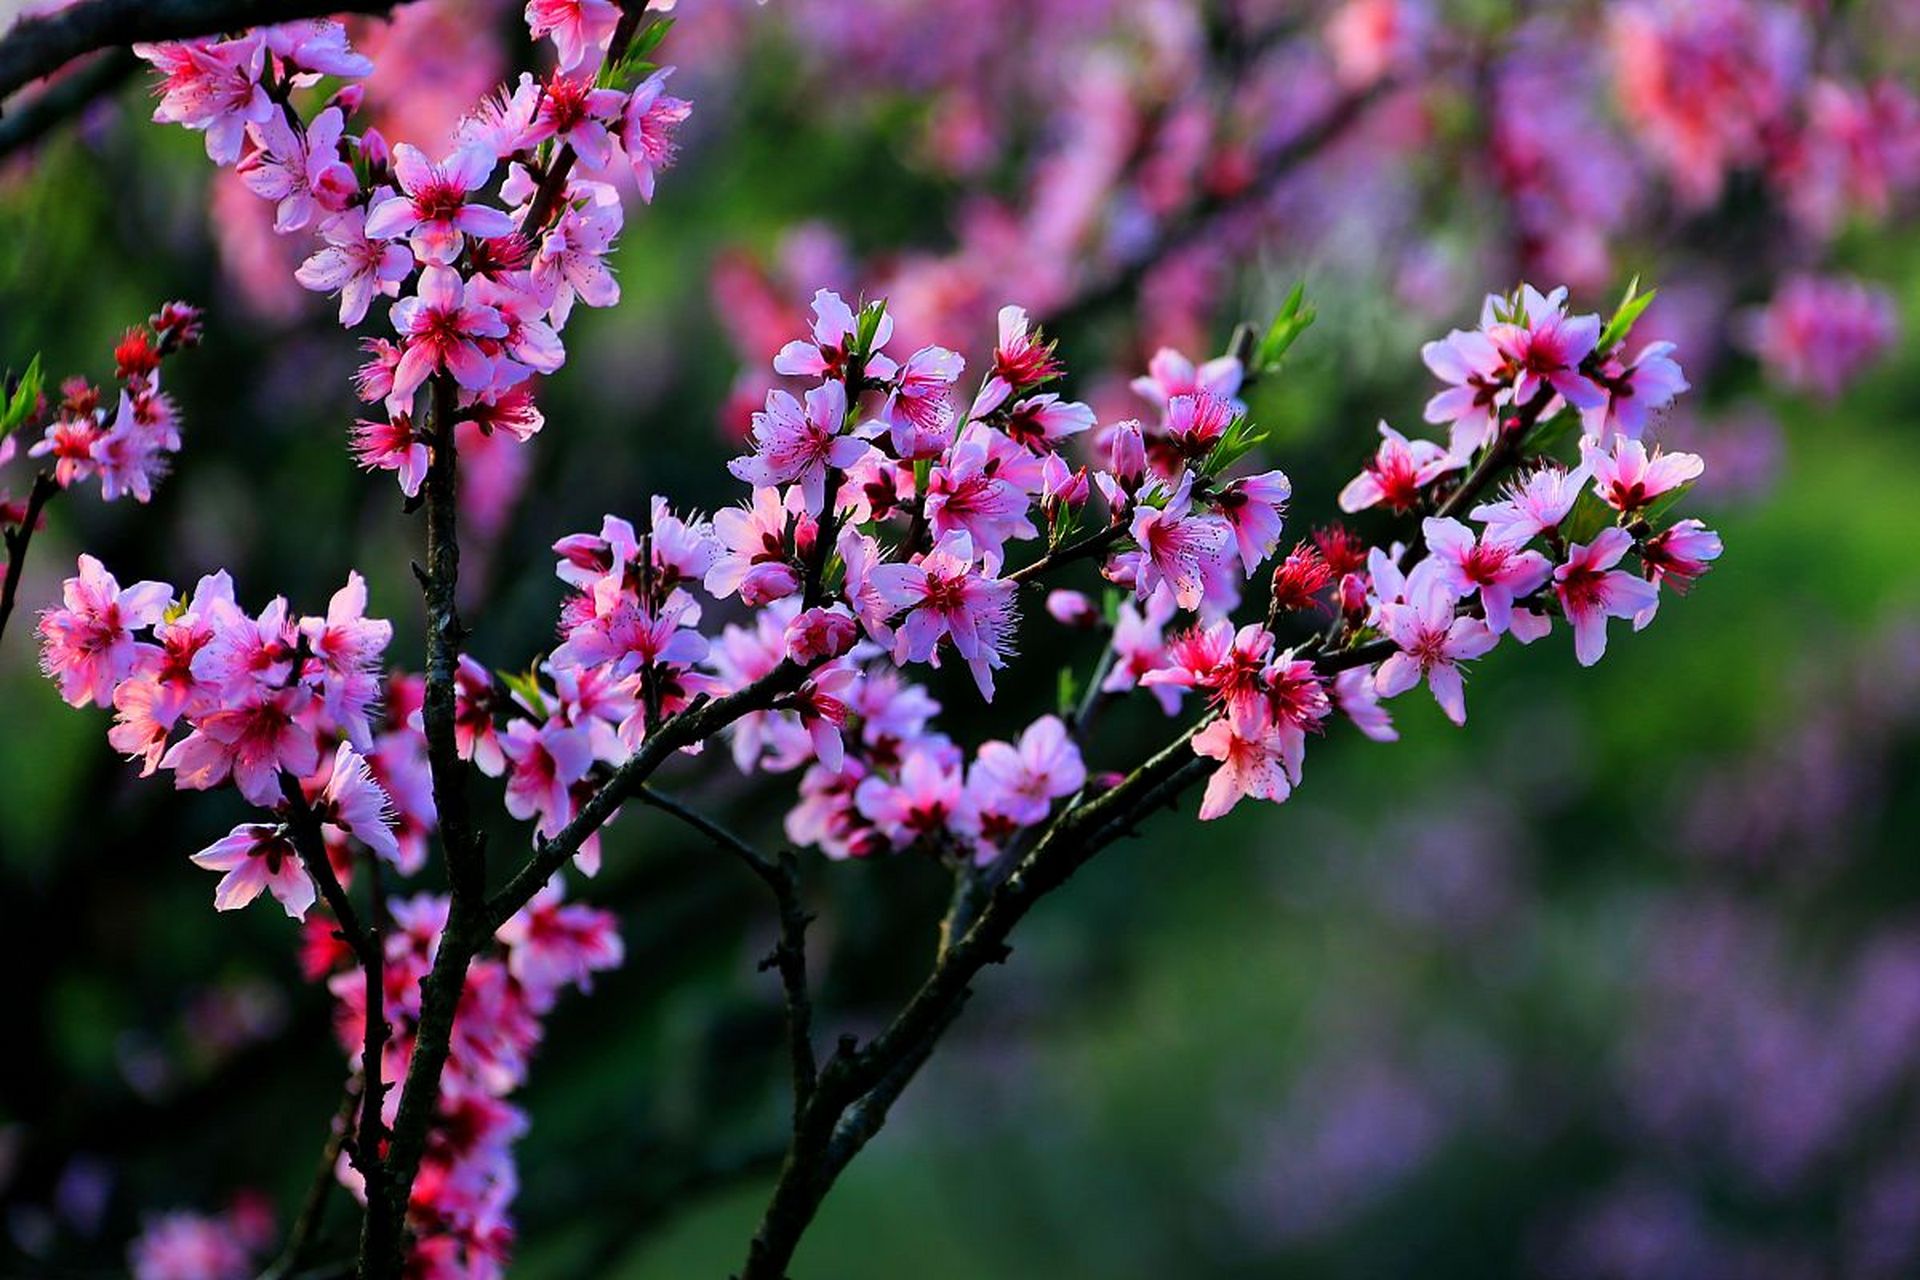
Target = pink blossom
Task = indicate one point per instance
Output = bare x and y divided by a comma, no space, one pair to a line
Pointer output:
317,47
1499,572
575,113
925,801
651,118
1043,422
1819,333
1354,693
1140,649
947,597
356,804
553,944
1022,359
301,172
874,586
441,330
354,265
756,561
87,644
1533,505
1253,506
1196,421
1171,374
433,210
917,411
212,87
1250,765
1591,590
1468,360
1545,345
821,633
966,492
1628,478
348,645
474,734
1398,471
1022,780
834,329
1635,391
187,1246
792,444
393,445
1676,556
577,27
250,741
1432,641
544,761
1178,547
571,264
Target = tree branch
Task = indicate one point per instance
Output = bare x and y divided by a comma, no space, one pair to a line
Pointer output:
789,955
19,538
40,46
71,96
313,1206
303,826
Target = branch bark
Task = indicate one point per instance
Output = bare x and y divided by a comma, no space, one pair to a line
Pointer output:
19,538
40,46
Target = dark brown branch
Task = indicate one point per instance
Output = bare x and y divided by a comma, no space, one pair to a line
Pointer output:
702,719
463,846
1201,217
313,1205
18,538
303,826
37,47
789,957
26,122
858,1086
553,184
1093,544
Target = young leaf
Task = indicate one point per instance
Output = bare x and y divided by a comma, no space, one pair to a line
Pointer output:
1631,305
21,402
1293,319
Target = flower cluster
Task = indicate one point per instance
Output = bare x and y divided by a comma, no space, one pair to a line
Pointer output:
123,440
482,274
461,1202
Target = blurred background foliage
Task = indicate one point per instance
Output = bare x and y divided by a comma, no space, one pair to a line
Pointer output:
1623,979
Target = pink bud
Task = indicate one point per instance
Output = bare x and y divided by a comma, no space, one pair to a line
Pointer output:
374,150
1129,454
1072,608
1061,485
820,634
348,99
1353,595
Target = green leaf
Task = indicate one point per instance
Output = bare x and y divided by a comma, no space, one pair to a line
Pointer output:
1588,517
526,687
1547,435
1239,439
1631,305
20,404
634,64
1067,692
869,325
1295,316
1666,502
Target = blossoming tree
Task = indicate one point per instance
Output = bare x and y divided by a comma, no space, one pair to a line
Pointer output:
900,509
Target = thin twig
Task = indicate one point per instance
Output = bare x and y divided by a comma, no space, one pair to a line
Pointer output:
19,537
39,46
313,1205
789,957
26,122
